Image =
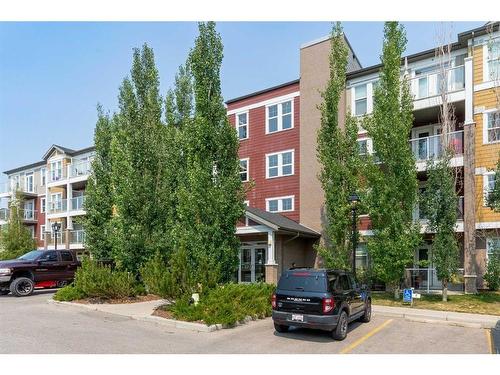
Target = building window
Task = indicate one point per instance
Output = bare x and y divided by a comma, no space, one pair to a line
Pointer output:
56,170
279,117
492,245
488,185
360,100
42,232
42,204
493,60
43,176
28,183
244,169
242,125
493,127
362,256
363,147
31,229
280,204
279,164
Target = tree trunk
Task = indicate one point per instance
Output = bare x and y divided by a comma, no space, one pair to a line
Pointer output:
445,290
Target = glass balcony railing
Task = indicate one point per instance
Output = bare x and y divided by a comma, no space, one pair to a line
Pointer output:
419,215
54,207
77,203
425,279
23,186
30,215
77,236
78,169
56,174
4,214
427,148
431,84
61,238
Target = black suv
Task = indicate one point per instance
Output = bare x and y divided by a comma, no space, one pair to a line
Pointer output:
319,299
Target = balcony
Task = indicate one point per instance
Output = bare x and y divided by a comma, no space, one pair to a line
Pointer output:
77,203
4,214
76,237
10,187
79,169
427,148
61,206
27,215
419,215
51,239
427,88
425,279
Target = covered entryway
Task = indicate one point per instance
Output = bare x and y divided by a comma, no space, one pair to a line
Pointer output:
271,243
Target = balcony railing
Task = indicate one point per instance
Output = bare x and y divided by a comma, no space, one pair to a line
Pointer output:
425,279
12,186
56,174
51,238
418,214
77,236
77,203
430,84
427,148
54,207
4,214
30,215
81,168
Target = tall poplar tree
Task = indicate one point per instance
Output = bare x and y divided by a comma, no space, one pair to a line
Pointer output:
211,194
138,167
338,155
393,182
99,192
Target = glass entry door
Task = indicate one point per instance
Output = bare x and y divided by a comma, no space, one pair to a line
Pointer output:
252,264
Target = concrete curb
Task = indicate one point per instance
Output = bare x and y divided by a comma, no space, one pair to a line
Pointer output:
191,326
440,317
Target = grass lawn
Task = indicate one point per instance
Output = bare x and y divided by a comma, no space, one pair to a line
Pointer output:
482,303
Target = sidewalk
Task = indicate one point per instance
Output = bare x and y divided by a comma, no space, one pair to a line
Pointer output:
443,317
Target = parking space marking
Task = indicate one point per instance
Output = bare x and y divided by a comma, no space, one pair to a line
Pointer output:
365,337
488,339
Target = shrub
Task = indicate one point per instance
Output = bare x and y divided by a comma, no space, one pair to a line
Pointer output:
227,304
98,281
492,275
68,293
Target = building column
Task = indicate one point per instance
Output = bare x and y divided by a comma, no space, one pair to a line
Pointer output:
271,266
470,272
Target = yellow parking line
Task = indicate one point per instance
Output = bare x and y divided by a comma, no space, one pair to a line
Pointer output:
488,339
365,337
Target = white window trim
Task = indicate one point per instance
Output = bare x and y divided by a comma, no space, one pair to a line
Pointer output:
487,246
280,203
369,144
280,164
486,70
485,187
369,98
43,207
32,175
247,124
43,173
42,232
248,169
263,103
485,126
280,116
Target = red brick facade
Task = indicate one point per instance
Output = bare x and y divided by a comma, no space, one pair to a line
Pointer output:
259,144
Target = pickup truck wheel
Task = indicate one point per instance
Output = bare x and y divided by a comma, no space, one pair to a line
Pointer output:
22,287
368,312
340,332
280,328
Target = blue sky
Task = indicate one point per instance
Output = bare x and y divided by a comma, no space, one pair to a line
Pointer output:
52,75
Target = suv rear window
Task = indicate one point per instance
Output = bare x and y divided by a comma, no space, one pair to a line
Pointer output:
303,281
66,256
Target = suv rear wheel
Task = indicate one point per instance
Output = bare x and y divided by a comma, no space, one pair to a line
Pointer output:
280,328
340,332
22,287
368,312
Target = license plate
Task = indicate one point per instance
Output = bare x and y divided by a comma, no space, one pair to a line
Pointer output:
297,317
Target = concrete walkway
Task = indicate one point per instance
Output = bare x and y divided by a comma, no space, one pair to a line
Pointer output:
443,317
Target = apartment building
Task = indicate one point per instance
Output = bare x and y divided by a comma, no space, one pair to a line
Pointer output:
53,191
277,129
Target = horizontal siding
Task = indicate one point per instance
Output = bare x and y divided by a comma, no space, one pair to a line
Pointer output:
259,144
478,64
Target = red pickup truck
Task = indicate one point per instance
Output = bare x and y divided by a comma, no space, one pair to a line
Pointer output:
37,269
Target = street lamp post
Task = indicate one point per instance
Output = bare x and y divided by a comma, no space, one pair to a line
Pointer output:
354,200
56,227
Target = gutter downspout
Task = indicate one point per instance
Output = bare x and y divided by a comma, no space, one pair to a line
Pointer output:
291,239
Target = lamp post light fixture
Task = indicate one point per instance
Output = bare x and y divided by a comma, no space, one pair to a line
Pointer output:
56,227
354,200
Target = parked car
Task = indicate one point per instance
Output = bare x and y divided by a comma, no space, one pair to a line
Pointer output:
320,299
37,269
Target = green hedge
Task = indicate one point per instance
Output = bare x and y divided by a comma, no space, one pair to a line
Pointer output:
226,304
97,281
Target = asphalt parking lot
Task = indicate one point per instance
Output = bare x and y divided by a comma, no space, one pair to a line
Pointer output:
31,325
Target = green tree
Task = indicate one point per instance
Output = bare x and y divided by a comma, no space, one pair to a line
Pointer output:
494,195
15,238
393,181
492,275
210,196
138,167
440,207
338,155
99,193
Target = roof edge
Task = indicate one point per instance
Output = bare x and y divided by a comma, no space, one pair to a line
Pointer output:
263,91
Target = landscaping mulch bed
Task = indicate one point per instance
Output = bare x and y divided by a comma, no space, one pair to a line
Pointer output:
146,298
163,312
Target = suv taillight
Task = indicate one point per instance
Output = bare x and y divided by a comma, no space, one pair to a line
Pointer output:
328,305
273,301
